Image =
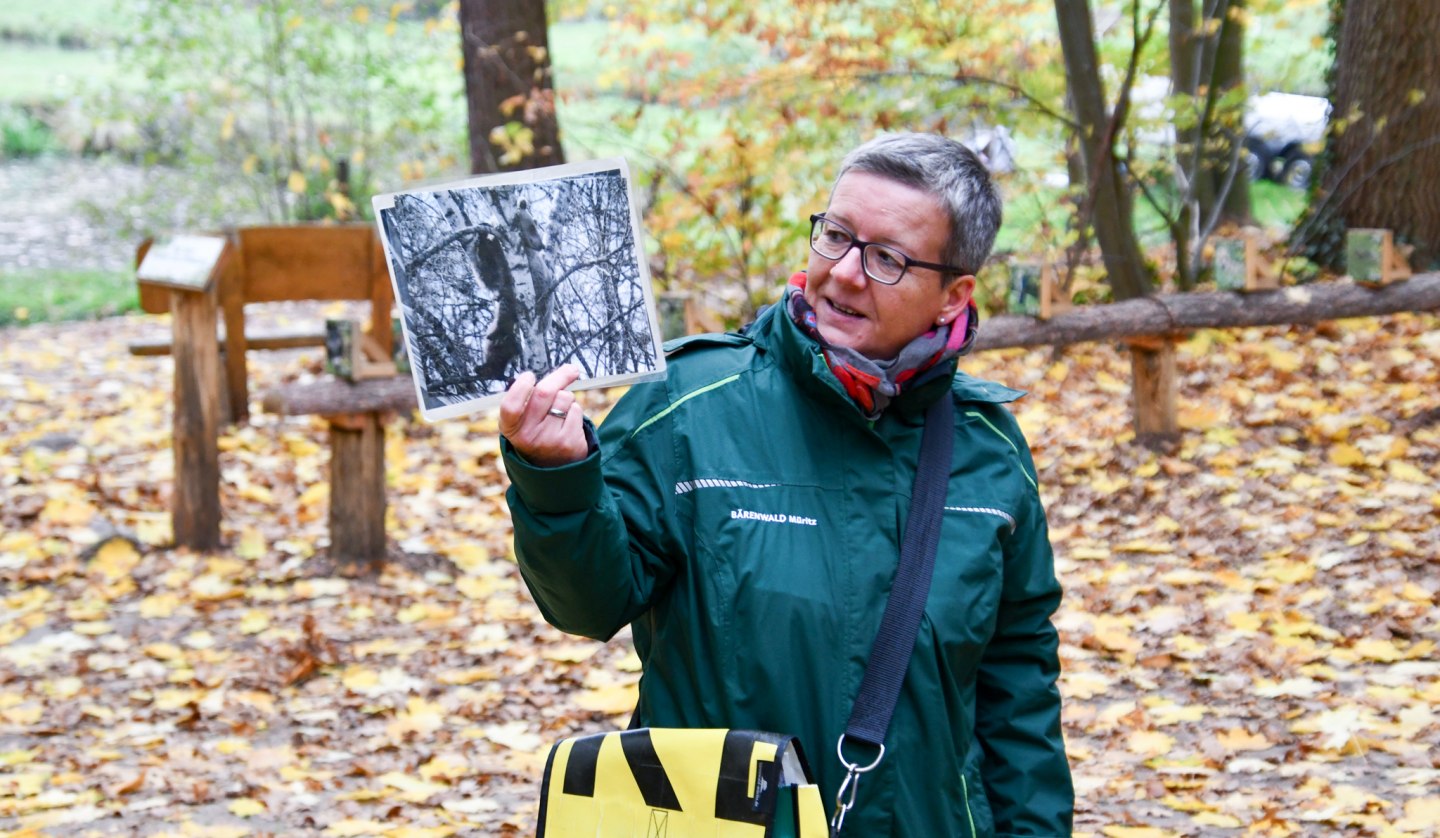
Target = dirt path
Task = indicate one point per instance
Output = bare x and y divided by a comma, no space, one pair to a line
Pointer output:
67,213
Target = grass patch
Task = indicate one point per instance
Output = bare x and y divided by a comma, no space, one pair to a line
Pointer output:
1276,206
40,73
50,296
82,16
23,135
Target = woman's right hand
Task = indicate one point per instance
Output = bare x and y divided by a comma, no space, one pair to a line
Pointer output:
542,420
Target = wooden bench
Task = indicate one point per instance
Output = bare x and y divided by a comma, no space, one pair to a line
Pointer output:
356,415
335,262
261,265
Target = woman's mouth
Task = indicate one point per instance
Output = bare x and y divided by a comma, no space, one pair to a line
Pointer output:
848,312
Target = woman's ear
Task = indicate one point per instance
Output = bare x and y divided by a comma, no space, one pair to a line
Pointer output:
957,296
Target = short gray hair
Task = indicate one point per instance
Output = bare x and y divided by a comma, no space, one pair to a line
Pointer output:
950,172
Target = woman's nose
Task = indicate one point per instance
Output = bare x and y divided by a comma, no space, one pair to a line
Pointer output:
851,267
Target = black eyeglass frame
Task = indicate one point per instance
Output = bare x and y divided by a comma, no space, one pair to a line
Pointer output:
857,242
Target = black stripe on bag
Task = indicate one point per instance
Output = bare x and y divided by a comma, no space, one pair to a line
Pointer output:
545,792
580,768
649,774
734,799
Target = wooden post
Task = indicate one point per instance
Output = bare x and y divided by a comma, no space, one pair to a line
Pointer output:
195,505
357,489
1155,386
672,308
1035,290
1240,267
1371,257
382,298
232,304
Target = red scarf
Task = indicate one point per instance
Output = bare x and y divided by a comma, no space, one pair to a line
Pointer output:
874,384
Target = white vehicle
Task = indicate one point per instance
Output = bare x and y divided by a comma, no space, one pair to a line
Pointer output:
1283,132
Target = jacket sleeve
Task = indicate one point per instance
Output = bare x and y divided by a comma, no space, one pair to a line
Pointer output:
1017,715
593,538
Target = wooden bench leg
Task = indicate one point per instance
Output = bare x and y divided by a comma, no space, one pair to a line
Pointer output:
357,489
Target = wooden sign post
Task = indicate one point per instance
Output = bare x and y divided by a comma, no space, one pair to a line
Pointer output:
1371,257
1239,266
1035,291
188,266
354,355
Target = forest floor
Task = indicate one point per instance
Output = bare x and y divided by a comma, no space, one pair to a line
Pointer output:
1248,632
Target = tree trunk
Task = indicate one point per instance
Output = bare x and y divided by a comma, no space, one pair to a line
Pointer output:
1229,121
1186,56
1112,208
508,86
1211,59
1383,167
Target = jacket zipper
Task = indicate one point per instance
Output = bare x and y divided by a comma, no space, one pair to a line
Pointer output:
965,791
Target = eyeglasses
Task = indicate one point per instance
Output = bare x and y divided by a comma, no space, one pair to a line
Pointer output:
881,262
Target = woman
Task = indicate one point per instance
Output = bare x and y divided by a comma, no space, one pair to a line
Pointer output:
745,515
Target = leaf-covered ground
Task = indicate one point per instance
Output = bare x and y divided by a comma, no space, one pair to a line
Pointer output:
1248,631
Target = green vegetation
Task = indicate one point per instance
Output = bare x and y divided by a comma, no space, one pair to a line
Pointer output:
22,134
1276,206
47,296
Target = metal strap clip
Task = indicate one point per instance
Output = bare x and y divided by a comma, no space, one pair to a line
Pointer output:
853,770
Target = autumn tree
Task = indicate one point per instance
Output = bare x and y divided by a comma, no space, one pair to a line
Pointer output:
509,91
1109,201
1382,159
743,112
1206,48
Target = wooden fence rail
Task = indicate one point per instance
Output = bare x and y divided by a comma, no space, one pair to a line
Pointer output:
1172,314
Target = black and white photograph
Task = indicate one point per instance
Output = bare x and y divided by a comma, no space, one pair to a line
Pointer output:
522,271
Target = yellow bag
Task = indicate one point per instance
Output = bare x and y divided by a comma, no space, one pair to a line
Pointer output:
676,783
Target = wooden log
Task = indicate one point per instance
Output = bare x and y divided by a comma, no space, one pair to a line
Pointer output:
331,397
195,505
357,489
1175,314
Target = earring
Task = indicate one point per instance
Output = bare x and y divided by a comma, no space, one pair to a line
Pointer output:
940,322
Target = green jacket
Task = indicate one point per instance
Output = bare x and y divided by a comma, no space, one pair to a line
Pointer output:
746,519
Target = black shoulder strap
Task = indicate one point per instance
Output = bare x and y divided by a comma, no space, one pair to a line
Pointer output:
880,688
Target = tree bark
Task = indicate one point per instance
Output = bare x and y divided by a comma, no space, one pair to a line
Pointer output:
1174,314
1229,121
1383,166
1186,58
1206,64
508,83
1112,206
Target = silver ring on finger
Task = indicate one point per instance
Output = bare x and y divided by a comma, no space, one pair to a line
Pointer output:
558,413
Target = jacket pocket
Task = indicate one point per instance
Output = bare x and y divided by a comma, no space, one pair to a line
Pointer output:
977,804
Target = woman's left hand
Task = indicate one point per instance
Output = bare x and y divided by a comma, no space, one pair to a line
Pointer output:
542,420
